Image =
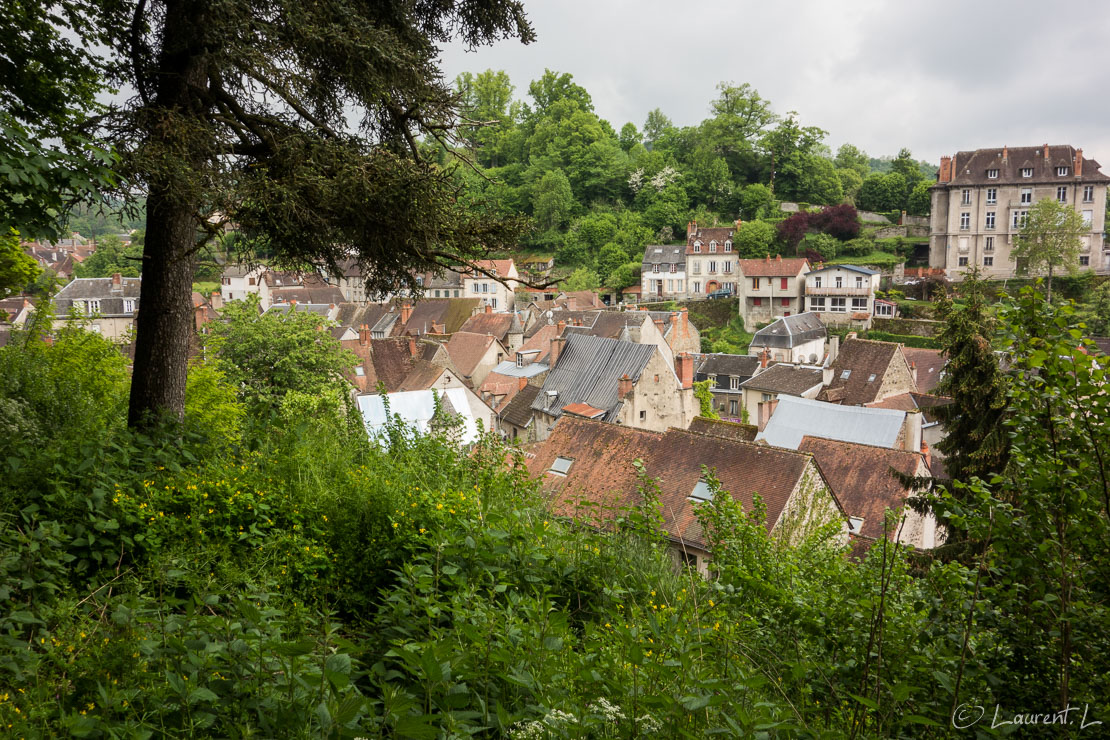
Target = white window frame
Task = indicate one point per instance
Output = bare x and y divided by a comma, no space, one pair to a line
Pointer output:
992,196
1026,171
838,305
1019,219
992,174
989,246
1061,171
1088,193
713,247
965,198
1062,194
817,303
1026,195
990,220
561,466
728,246
128,305
965,221
859,304
92,306
733,383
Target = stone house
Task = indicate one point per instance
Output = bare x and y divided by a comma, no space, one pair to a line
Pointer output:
725,374
770,289
982,197
500,296
865,371
710,260
108,305
798,338
760,394
239,281
795,418
475,355
585,468
842,294
663,272
506,328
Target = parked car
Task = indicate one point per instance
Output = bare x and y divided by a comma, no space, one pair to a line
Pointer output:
722,293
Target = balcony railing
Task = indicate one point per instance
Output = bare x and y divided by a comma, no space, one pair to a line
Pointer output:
829,290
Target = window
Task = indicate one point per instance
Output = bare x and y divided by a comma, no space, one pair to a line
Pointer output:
474,287
225,281
871,378
1027,195
992,196
701,492
965,221
1088,217
816,281
561,465
1019,219
765,397
674,267
755,283
859,304
963,261
782,283
846,374
436,292
643,415
250,281
712,267
859,281
655,268
697,267
1062,194
696,286
817,303
1061,171
733,383
989,246
728,246
485,287
92,306
990,220
839,281
456,294
670,285
838,305
988,261
1026,171
493,302
128,306
992,174
784,302
966,199
678,285
757,301
697,247
733,408
1088,193
727,267
1084,260
359,371
713,247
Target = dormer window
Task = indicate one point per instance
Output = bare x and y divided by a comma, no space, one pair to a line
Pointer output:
992,174
674,267
1061,171
1026,171
728,246
816,281
697,247
855,524
712,247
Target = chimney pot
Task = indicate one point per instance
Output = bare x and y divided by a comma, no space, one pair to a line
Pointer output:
684,365
406,312
624,386
1078,169
489,308
764,356
412,346
1005,153
364,335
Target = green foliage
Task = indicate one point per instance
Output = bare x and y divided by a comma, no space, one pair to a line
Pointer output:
1049,240
754,239
909,340
552,200
581,279
112,256
919,202
17,269
883,192
1095,311
825,245
705,399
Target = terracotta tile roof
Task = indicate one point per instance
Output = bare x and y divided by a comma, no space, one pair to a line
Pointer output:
792,380
706,234
500,268
583,409
867,360
726,429
602,473
467,350
860,476
499,390
930,364
580,300
449,313
388,361
773,267
540,339
497,324
911,401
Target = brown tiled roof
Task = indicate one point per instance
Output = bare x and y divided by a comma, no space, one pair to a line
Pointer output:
1103,344
500,268
422,376
773,267
930,363
583,409
467,350
387,360
719,234
865,358
324,295
569,317
540,340
726,429
970,168
518,411
793,380
451,313
499,389
497,324
860,477
602,473
911,401
580,300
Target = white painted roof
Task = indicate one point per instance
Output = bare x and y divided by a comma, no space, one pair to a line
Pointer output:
795,418
416,409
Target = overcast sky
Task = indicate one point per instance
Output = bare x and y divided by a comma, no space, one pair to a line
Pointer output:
937,77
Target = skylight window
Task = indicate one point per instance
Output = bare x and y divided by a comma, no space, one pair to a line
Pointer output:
701,492
855,524
871,378
844,375
561,466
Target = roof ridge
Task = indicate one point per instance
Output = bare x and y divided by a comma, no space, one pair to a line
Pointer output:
897,450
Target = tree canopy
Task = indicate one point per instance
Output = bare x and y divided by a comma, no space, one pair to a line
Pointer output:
1049,240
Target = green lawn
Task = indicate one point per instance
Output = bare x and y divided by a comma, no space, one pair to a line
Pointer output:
875,259
206,289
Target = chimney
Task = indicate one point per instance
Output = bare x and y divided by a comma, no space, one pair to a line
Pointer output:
624,386
912,441
685,320
560,327
523,383
117,283
364,335
764,356
659,325
489,308
691,229
945,174
739,223
439,328
851,335
1078,169
412,345
406,313
684,365
913,372
556,349
927,454
778,258
1005,153
1046,154
767,259
834,347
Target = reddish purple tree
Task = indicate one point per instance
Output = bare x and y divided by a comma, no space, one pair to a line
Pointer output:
840,221
792,230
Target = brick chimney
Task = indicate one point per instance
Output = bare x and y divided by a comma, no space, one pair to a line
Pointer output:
927,453
945,174
685,320
412,345
778,258
624,386
1046,154
1078,169
739,223
117,283
684,368
560,327
406,312
1005,153
691,229
364,335
659,325
556,349
489,308
767,259
764,356
523,383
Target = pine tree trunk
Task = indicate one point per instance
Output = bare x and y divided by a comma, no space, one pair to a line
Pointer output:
176,121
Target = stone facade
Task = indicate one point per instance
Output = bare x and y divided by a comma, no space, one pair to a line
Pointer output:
981,198
769,289
842,294
711,263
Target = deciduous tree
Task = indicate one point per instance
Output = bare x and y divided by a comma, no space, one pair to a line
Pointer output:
17,269
1049,240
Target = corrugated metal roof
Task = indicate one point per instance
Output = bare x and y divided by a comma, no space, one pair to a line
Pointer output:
588,370
795,418
509,368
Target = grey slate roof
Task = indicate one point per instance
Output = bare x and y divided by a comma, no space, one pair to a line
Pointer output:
320,309
588,370
790,331
509,369
519,410
99,289
795,418
791,380
970,168
743,366
852,268
661,254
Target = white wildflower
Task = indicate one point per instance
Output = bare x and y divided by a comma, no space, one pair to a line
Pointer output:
648,725
664,177
636,180
607,711
556,718
530,730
